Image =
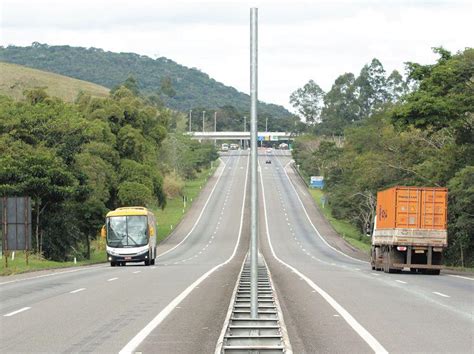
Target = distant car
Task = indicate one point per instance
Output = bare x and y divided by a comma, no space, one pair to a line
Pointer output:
268,161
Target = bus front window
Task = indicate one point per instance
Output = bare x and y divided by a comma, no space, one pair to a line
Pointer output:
127,231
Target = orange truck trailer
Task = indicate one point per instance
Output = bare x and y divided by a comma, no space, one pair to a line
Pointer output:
410,229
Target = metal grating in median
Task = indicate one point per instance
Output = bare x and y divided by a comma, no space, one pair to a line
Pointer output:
265,334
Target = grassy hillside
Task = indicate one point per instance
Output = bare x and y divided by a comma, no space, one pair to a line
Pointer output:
14,79
179,87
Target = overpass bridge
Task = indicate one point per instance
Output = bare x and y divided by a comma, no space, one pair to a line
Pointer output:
262,136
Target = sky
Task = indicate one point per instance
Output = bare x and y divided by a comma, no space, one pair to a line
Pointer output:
297,40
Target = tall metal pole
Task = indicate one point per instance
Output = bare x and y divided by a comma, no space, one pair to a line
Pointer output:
190,113
203,113
266,124
254,165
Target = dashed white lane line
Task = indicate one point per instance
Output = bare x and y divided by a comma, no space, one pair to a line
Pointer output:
17,311
401,281
460,276
136,272
440,294
112,279
77,290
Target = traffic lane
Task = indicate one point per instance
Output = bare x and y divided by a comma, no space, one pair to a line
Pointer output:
161,322
337,278
219,215
289,209
192,215
312,323
287,173
189,274
201,315
102,318
18,292
461,290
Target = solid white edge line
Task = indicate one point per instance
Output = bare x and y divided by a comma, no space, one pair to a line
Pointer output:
356,326
17,311
460,276
155,322
77,290
440,294
52,274
200,215
309,219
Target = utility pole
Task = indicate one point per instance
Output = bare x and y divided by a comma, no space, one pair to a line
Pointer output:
245,129
215,127
266,125
203,114
190,114
253,164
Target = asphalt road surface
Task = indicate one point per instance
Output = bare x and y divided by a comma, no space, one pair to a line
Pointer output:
331,299
335,303
176,306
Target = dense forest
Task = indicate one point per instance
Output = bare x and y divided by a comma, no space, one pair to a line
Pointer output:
375,131
174,85
78,160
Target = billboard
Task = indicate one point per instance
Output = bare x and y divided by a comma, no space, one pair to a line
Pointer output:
15,218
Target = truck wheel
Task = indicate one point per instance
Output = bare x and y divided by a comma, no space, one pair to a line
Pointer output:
433,271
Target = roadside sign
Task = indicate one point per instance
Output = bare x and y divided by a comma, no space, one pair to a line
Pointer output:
316,182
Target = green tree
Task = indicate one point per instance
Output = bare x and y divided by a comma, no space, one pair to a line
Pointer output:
308,101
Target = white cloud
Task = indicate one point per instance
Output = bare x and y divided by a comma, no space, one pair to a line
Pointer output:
298,40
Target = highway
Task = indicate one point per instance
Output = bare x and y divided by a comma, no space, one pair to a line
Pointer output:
103,309
334,303
331,299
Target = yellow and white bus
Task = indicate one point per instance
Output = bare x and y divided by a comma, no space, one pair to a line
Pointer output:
131,236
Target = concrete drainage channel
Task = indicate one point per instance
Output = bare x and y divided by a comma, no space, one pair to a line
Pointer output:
243,334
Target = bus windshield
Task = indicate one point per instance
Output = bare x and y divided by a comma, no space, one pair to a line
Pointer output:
127,231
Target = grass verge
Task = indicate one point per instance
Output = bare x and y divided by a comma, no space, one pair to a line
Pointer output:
167,219
348,232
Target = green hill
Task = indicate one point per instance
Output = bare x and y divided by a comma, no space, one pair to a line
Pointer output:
14,79
179,87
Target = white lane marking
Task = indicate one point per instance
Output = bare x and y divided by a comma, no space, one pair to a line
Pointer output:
56,273
401,281
460,276
440,294
314,227
335,315
200,215
136,272
356,326
112,279
77,290
375,274
155,322
17,311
